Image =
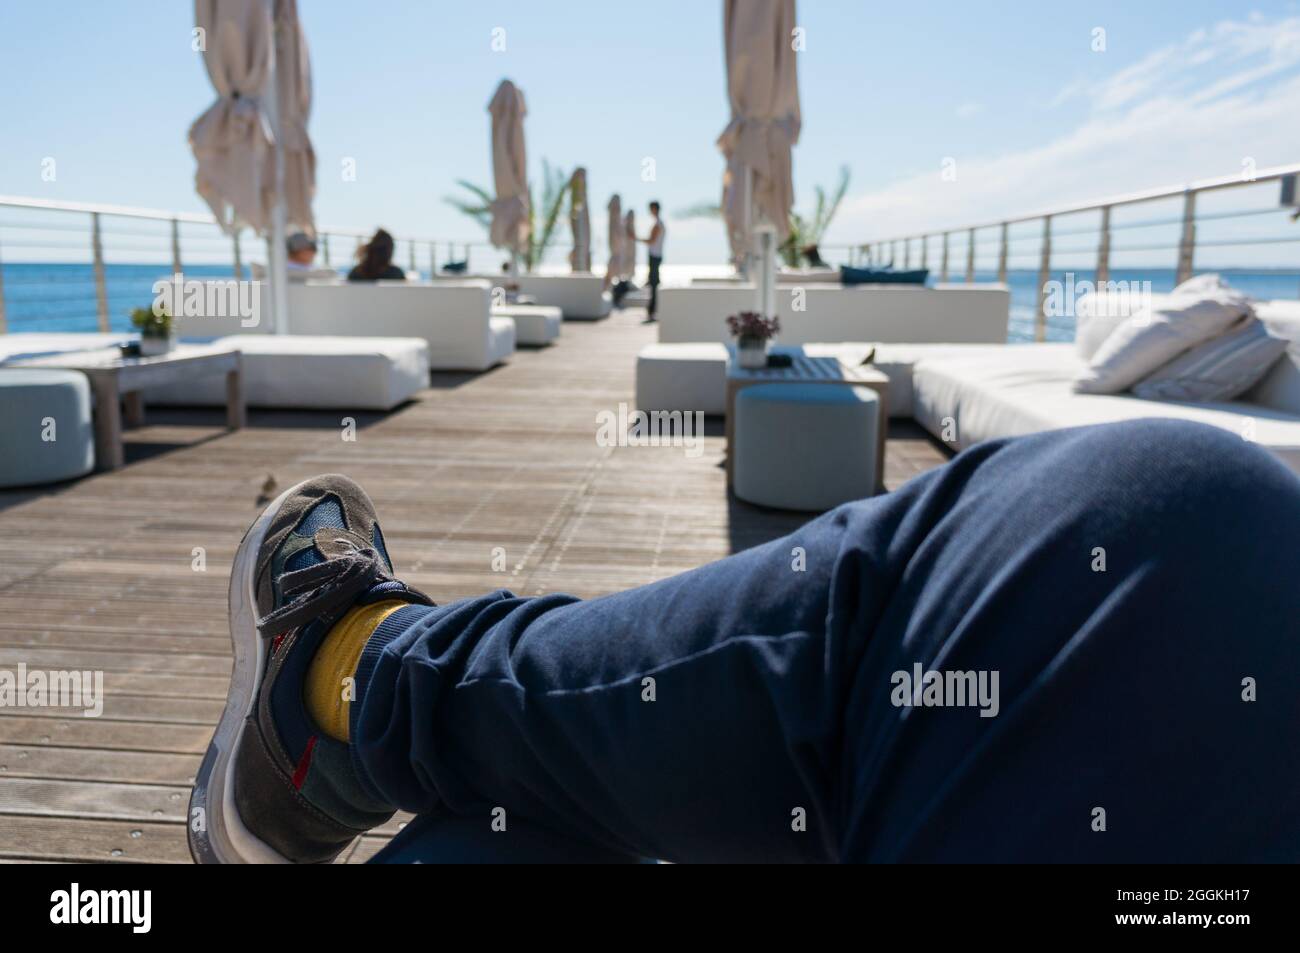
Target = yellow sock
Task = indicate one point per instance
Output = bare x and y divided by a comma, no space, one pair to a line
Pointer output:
326,693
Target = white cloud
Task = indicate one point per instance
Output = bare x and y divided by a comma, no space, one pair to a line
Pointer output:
1191,110
969,110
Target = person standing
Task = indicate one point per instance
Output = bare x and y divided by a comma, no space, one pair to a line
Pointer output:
655,254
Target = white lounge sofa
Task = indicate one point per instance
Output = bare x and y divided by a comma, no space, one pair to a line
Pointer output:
965,398
454,318
308,372
820,312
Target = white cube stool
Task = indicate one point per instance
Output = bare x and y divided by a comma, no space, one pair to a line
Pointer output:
47,434
805,446
536,325
682,377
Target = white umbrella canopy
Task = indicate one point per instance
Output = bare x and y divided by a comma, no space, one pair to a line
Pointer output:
613,268
763,89
579,222
293,77
232,140
510,226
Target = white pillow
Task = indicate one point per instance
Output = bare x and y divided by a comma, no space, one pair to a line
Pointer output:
1092,329
1218,369
1198,310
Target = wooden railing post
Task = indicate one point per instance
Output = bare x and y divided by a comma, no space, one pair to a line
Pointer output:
1002,255
1044,275
239,257
433,259
907,253
4,325
176,247
943,270
97,263
1187,243
925,251
413,268
325,247
1103,249
970,258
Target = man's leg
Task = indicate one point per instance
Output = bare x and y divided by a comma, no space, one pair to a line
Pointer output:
1123,583
654,285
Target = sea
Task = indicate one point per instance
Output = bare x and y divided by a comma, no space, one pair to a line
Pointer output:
61,297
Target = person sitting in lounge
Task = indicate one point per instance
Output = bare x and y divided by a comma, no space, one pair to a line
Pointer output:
1046,650
301,249
375,260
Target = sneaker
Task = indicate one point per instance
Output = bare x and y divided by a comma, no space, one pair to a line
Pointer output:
272,788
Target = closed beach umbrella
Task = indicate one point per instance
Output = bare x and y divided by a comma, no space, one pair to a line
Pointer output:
293,75
510,228
614,267
763,89
629,245
579,222
232,140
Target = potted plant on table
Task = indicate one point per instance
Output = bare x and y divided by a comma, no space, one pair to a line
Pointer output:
155,329
753,334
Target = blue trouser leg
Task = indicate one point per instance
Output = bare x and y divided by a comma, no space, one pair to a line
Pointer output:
1123,583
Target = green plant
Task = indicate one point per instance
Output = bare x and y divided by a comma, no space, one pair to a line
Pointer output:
803,231
555,185
152,324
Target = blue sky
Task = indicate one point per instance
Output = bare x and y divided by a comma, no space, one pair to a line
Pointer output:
1013,91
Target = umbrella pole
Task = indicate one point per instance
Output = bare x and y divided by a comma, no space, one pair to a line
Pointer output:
277,264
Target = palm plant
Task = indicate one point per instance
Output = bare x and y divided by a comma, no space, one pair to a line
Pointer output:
803,231
555,185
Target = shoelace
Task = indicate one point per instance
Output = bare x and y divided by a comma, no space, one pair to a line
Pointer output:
326,587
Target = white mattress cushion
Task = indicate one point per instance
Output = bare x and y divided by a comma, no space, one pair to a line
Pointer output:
313,372
1026,388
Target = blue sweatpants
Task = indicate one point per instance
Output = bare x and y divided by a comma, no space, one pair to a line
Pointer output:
1081,645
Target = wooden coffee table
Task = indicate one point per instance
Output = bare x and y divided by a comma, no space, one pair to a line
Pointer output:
116,380
809,369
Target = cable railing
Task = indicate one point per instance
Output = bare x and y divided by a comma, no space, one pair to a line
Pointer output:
996,236
50,247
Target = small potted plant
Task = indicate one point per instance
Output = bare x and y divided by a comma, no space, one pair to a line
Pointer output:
753,334
155,331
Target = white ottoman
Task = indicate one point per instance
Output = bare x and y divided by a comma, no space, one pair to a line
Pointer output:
47,434
805,446
682,377
536,325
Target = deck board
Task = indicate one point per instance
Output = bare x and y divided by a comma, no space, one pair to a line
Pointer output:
98,574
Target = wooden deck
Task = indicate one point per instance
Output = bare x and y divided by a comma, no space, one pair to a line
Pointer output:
100,574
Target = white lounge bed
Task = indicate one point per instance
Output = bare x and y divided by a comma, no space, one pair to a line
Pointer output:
309,372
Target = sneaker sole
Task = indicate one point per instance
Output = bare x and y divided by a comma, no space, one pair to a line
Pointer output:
224,839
